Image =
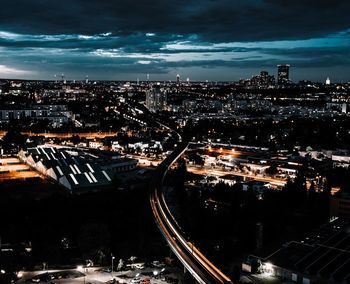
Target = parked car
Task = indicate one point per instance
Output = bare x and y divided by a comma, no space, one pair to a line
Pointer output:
136,280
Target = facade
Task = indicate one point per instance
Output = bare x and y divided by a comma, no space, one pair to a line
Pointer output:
96,144
57,114
344,108
340,206
156,99
283,74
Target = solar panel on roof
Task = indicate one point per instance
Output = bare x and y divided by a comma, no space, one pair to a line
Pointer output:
90,168
59,170
74,179
73,170
88,178
77,169
106,175
93,177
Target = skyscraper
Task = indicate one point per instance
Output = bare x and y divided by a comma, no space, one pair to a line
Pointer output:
283,74
178,79
156,99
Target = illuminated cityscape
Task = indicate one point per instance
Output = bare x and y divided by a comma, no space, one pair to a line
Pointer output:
189,142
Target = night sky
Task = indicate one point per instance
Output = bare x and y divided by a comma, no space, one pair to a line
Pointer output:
199,39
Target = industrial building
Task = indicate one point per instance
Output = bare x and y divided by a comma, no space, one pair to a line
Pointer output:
321,257
75,169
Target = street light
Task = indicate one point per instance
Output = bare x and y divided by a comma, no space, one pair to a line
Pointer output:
112,264
80,268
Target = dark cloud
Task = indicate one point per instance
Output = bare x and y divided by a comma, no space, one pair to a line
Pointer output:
223,20
104,37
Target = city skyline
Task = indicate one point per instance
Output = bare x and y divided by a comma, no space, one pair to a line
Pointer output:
216,41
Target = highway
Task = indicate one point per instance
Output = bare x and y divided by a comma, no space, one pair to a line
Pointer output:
204,271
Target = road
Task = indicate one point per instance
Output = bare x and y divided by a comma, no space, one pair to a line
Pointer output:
220,173
204,271
232,152
95,275
66,135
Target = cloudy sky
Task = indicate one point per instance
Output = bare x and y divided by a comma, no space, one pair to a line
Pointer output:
199,39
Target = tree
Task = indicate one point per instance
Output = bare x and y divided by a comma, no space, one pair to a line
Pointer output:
272,170
94,241
13,140
121,265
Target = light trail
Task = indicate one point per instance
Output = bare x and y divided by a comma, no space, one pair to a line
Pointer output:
204,271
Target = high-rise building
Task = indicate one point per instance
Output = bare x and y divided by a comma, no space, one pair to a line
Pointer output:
328,81
283,74
178,79
344,108
264,80
156,99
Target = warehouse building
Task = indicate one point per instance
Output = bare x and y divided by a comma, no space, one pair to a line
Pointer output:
75,169
321,257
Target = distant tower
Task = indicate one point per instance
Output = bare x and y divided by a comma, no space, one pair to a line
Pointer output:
283,74
138,81
86,79
64,79
178,79
328,81
188,81
147,77
55,78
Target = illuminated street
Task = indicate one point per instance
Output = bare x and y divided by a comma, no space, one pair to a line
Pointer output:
12,169
98,276
87,135
220,173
